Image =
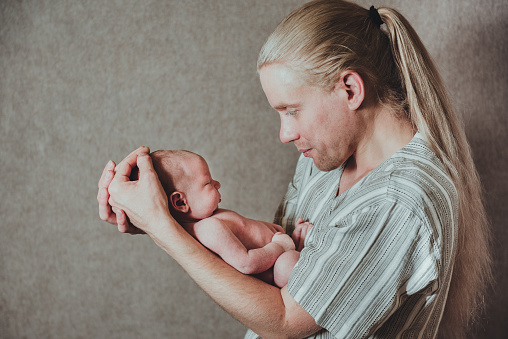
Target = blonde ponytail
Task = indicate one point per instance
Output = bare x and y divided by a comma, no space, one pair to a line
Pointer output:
430,111
324,38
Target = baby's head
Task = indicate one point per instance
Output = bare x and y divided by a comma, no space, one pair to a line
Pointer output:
185,176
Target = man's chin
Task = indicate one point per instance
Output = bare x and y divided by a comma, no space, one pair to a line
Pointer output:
325,166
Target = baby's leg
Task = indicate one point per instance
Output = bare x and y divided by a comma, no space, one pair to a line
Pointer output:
284,266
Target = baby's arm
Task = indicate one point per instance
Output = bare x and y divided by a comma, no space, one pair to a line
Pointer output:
300,232
215,235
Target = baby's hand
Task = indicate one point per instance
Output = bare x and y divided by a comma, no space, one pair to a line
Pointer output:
300,232
283,240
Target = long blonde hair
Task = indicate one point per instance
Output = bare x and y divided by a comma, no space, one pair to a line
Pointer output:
322,39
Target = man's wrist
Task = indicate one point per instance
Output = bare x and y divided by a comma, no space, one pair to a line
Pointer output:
161,225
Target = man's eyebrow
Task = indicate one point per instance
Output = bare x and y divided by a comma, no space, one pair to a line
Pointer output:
283,106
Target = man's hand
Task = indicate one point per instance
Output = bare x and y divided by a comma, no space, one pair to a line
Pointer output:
144,201
115,216
300,232
283,240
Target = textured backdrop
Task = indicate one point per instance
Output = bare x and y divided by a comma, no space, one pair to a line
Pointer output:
82,82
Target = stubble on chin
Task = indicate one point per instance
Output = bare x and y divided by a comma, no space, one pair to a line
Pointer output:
328,163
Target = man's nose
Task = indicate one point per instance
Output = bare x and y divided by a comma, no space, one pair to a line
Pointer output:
287,131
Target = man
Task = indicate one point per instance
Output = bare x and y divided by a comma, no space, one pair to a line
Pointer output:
379,259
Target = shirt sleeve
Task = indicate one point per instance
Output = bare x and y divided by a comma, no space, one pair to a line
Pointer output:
353,275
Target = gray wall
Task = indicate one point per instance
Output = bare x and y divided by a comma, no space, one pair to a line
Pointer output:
85,81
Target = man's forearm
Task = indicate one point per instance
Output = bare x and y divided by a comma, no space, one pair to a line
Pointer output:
263,308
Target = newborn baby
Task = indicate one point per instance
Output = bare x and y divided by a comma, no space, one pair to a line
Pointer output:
252,247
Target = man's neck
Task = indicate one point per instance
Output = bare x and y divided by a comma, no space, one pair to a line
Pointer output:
384,136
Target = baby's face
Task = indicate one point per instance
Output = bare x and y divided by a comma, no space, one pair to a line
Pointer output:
202,192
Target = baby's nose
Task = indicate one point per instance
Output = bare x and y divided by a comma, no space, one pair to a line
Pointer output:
217,184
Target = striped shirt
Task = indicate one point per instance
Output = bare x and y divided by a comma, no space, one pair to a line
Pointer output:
378,261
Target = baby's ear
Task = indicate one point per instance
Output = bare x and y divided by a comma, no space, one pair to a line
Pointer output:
178,202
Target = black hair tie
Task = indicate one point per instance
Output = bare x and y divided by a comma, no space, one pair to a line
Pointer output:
374,14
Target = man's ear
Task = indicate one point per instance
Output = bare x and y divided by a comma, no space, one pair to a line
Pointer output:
352,83
179,202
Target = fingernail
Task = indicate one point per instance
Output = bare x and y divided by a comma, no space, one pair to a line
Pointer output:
110,164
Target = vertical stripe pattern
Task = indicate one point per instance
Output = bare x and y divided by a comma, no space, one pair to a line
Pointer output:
378,261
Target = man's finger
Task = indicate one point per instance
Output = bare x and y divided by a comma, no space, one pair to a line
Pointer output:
144,163
124,168
121,219
107,174
104,208
123,224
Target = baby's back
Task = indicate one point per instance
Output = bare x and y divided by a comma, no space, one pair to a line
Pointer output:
252,233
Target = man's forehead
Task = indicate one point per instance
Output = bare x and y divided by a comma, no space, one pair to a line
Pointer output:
281,74
282,86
